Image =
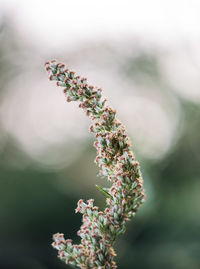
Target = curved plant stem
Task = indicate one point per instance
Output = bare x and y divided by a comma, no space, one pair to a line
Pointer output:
116,161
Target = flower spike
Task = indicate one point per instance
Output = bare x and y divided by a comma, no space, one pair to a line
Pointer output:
116,161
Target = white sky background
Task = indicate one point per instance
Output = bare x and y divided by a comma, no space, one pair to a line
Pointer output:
64,22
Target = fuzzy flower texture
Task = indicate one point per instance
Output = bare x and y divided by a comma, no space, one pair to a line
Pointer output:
116,161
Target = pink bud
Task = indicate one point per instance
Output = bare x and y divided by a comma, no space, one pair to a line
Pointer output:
68,241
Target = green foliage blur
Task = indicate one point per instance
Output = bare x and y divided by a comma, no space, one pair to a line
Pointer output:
38,200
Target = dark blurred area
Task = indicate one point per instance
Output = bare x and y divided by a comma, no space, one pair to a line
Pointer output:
46,153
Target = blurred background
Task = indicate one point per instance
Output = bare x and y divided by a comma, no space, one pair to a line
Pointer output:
146,57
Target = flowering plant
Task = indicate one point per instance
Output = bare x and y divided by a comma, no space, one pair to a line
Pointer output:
116,161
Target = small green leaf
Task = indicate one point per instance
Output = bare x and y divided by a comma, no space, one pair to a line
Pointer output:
121,231
104,192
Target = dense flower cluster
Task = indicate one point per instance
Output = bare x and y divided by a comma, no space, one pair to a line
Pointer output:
116,162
